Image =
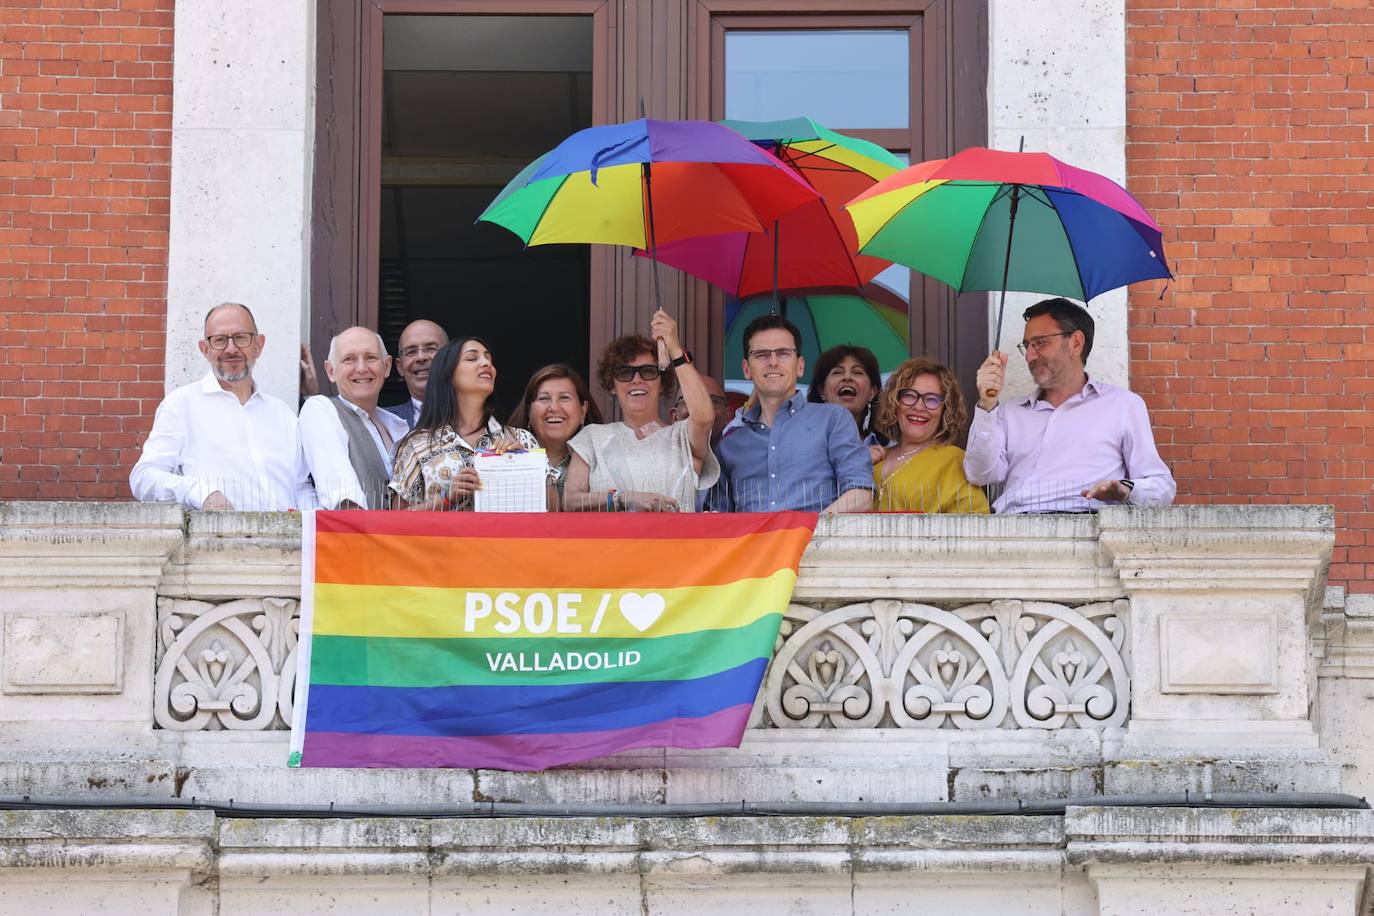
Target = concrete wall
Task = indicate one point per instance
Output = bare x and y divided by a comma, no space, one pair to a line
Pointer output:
1086,862
241,164
1057,77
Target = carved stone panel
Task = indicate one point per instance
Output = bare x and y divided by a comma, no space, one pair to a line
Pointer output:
63,653
1218,653
225,666
1004,664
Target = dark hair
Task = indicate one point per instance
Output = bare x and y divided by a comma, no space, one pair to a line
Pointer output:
441,402
520,417
1070,316
905,375
771,323
827,361
621,352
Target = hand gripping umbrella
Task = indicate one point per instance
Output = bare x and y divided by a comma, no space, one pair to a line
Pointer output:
990,220
646,182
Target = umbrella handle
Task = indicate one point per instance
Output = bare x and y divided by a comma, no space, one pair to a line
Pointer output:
663,361
993,392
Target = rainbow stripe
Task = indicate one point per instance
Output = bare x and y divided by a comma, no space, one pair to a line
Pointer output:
521,642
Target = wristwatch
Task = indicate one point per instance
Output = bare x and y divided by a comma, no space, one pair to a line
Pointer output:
1128,484
682,360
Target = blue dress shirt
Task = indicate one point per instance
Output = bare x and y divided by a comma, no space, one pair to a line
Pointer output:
803,462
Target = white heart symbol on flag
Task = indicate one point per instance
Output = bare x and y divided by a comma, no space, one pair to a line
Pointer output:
641,610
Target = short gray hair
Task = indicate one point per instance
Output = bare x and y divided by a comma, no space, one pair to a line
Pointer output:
232,305
381,344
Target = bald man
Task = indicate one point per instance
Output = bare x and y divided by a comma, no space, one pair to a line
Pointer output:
220,443
419,342
348,440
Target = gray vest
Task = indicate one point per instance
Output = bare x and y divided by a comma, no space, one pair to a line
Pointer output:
362,454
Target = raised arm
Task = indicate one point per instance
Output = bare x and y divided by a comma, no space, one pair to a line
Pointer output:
700,412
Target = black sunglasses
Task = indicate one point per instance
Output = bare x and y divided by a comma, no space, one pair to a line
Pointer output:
647,372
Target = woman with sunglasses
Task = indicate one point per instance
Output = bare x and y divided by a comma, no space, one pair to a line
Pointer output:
434,462
922,410
639,464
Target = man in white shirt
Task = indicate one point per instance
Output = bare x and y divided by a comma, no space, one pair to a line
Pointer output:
347,440
1073,445
415,351
219,443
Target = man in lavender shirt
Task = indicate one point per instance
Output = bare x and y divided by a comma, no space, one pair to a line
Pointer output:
1076,443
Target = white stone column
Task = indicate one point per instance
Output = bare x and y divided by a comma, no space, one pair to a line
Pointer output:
116,862
1220,861
78,584
241,160
1222,599
1057,77
1347,685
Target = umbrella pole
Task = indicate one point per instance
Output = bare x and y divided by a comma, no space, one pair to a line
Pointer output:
663,360
779,307
1006,272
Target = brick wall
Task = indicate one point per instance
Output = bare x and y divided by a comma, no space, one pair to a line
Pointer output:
85,145
1249,140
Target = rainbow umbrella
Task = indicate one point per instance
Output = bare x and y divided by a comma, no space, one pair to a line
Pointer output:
873,316
990,220
647,182
812,246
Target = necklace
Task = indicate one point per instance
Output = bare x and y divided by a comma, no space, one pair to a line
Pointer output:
898,459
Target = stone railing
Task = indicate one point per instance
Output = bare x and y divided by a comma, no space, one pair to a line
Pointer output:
962,656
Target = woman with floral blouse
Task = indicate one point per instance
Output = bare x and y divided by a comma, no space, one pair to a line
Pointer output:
434,463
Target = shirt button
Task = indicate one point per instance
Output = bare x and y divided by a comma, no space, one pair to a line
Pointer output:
772,475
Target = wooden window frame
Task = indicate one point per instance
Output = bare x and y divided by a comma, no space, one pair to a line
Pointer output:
346,209
948,112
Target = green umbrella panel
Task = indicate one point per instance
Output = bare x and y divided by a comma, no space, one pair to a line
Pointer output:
875,319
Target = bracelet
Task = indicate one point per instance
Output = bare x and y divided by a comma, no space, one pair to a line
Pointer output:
610,500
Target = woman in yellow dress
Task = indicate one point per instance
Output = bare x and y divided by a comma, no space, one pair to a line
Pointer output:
922,410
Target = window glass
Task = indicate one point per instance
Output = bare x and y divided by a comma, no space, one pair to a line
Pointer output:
842,78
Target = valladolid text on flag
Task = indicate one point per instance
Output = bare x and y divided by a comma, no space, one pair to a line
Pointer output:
521,642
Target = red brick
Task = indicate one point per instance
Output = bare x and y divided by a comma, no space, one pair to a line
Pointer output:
1271,239
85,102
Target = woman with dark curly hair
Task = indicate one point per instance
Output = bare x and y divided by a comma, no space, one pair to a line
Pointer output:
639,464
922,410
848,375
555,406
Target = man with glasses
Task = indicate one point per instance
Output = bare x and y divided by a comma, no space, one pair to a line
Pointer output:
784,452
414,352
220,443
1073,445
720,407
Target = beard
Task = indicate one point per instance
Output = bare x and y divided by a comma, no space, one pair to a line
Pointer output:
225,376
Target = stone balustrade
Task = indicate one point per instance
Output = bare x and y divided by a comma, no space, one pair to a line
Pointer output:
149,654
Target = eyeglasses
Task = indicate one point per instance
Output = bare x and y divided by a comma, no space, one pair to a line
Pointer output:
783,354
647,372
243,340
422,350
910,397
1039,343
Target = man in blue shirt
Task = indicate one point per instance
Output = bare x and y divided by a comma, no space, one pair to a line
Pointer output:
783,452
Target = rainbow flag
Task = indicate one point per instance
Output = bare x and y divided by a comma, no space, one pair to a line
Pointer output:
521,642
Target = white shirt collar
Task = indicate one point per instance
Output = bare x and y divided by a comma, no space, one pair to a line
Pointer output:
211,385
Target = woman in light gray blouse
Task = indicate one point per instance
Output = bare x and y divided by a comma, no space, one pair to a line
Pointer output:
641,464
